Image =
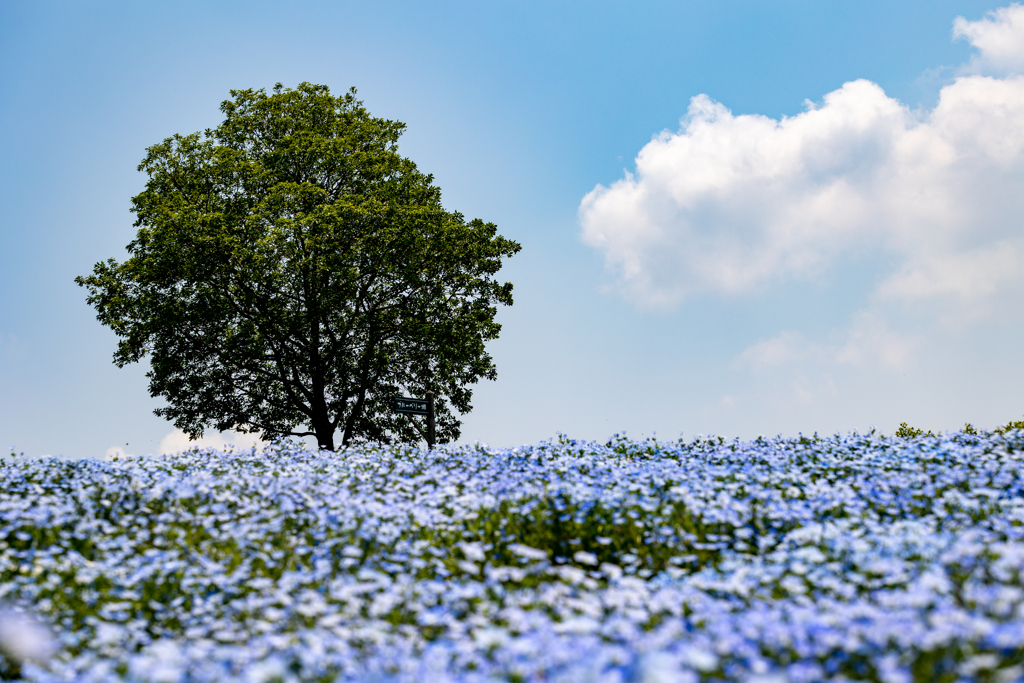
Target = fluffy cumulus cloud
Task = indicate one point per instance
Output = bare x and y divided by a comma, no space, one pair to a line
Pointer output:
998,39
730,204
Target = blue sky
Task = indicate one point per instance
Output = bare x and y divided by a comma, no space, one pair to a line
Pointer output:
828,239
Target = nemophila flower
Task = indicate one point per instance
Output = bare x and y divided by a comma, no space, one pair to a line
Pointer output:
848,558
583,557
23,640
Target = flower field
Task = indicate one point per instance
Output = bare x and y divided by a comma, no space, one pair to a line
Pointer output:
849,558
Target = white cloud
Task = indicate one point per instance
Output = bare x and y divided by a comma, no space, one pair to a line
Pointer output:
782,349
999,39
911,222
178,440
731,204
969,276
732,201
868,340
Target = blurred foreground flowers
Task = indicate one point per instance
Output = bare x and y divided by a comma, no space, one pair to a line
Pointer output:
23,640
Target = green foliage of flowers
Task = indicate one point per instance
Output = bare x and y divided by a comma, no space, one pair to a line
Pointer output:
905,431
1010,426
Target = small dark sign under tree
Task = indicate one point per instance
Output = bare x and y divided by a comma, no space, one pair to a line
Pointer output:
419,406
292,273
411,406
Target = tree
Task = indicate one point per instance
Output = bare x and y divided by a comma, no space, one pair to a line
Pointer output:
292,272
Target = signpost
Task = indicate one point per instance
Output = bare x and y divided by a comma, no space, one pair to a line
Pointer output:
419,406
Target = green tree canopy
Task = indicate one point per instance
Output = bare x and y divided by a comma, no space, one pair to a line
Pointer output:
292,272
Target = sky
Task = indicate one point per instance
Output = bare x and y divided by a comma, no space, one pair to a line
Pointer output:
737,218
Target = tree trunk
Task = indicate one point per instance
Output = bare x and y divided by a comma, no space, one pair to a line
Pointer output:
321,420
353,417
324,435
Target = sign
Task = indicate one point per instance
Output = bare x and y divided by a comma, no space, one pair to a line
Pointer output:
411,406
419,406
